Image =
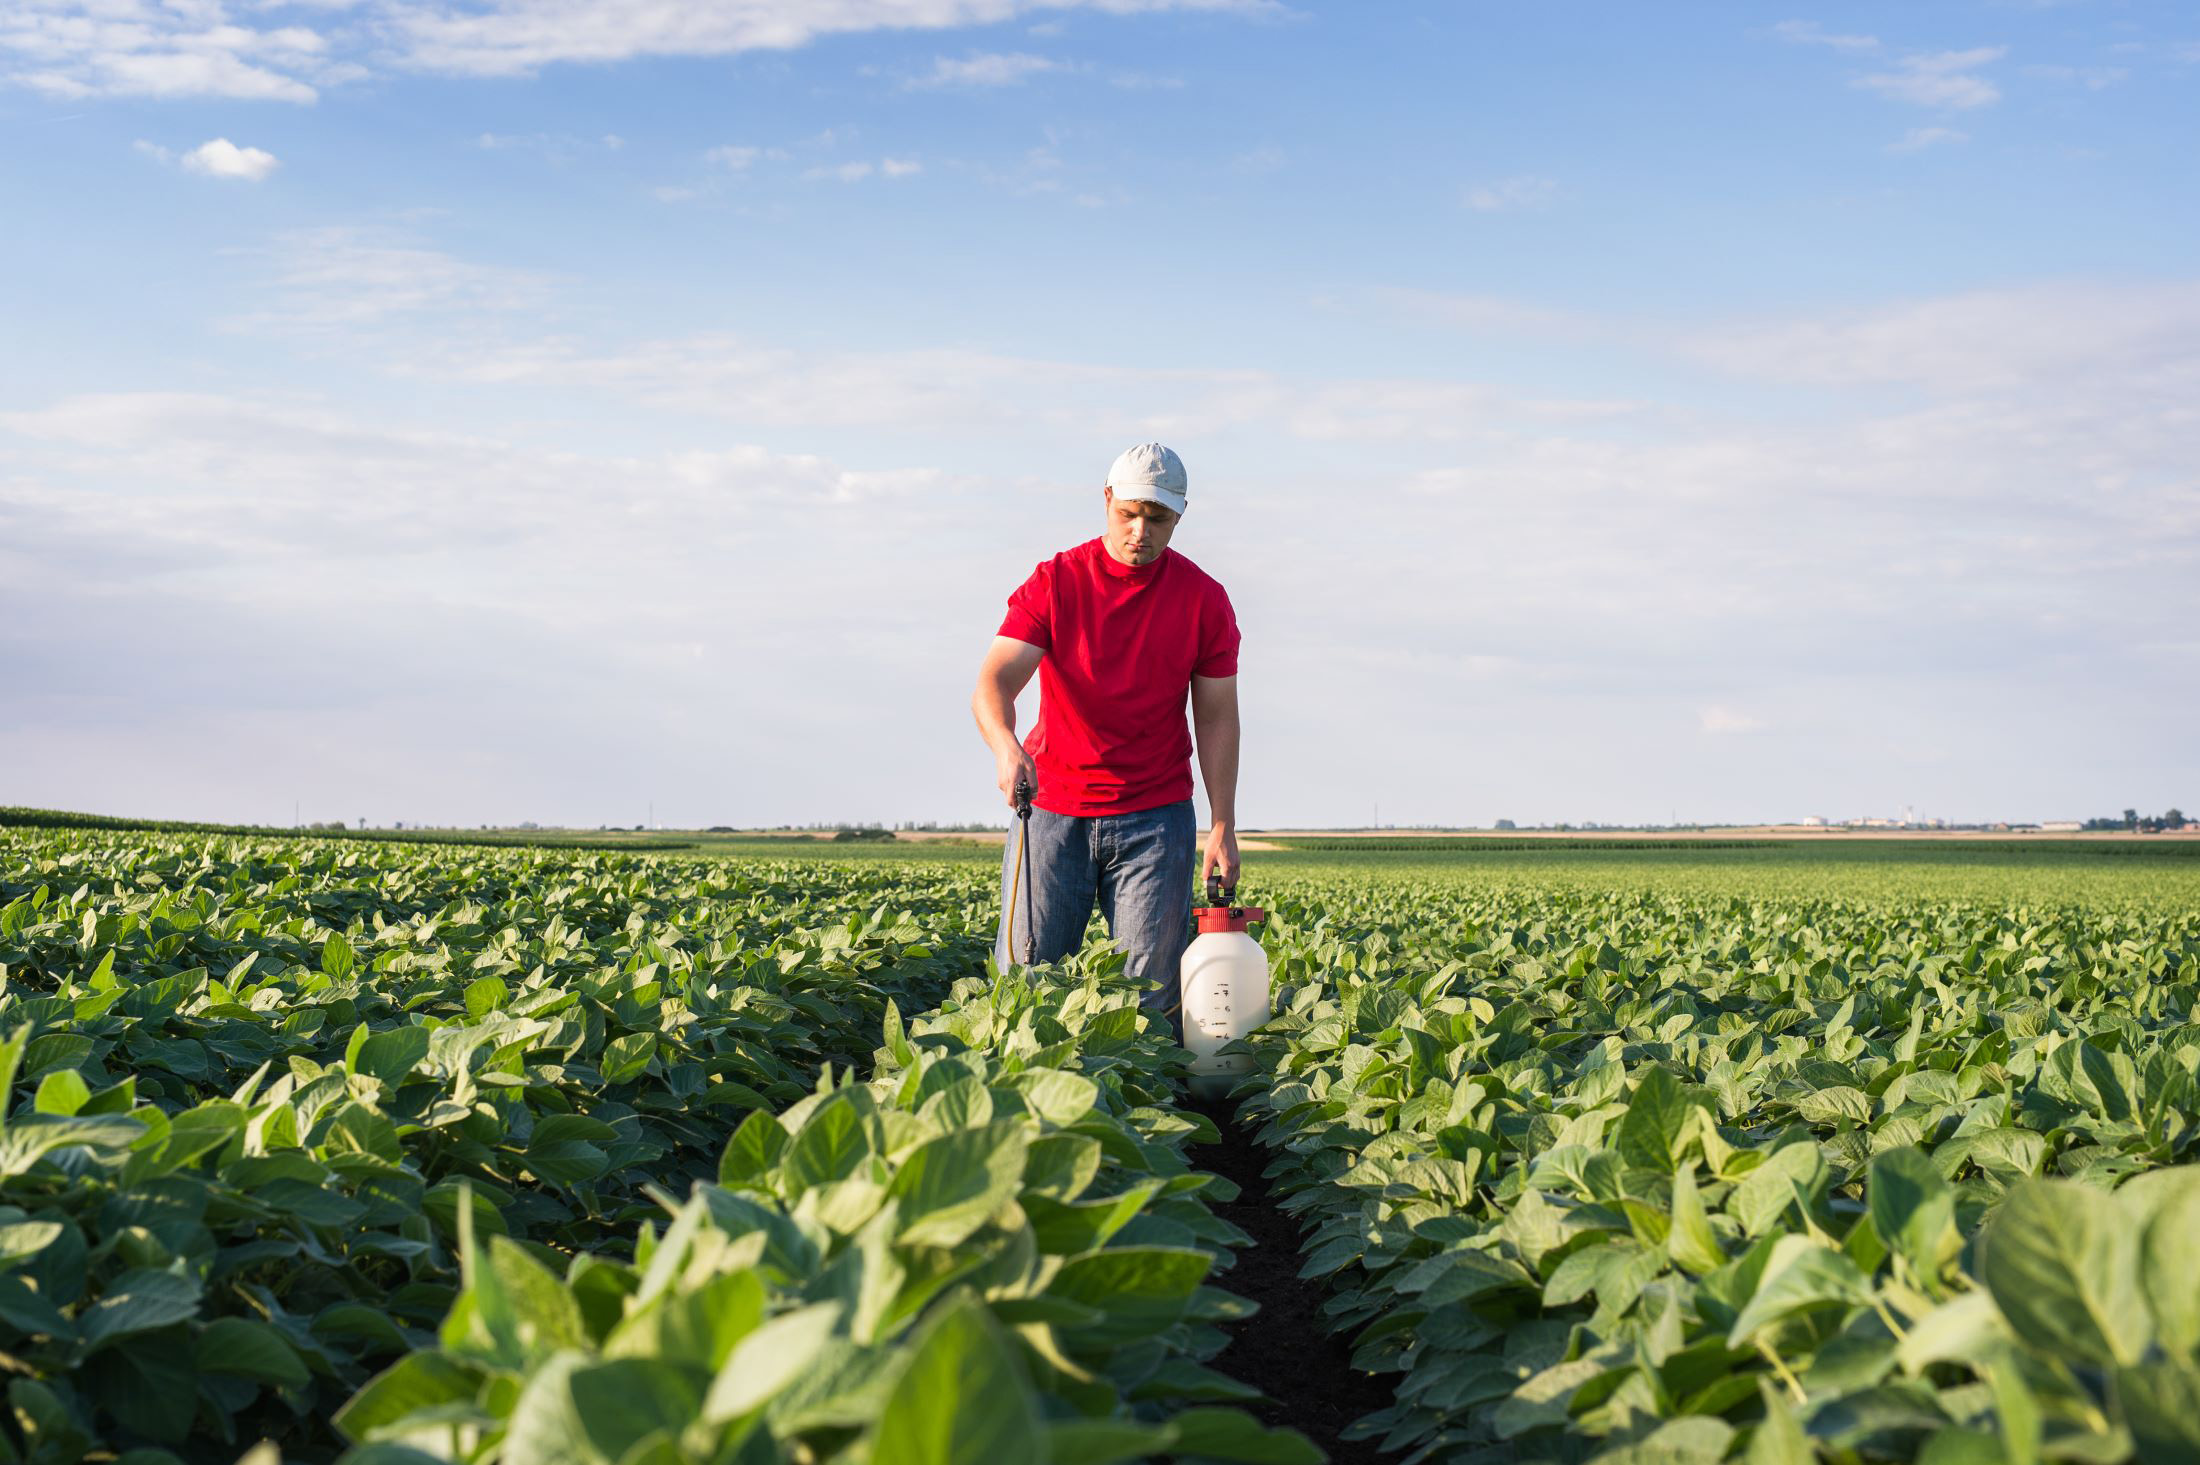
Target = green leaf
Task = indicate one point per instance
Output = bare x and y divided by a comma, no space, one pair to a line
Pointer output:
1691,1242
391,1054
1766,1193
63,1091
1139,1290
249,1348
137,1301
2160,1403
416,1382
146,1384
963,1398
1057,1097
1653,1121
1802,1275
337,957
1105,1441
755,1147
1778,1439
1691,1441
1061,1166
770,1359
543,1310
829,1146
485,995
2062,1264
22,1240
1232,1434
2169,1253
627,1058
1913,1209
573,1412
948,1186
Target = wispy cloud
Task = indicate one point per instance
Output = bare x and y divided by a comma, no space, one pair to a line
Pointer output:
1508,195
2092,78
1917,139
557,147
857,169
139,48
243,50
349,279
1266,158
1726,721
985,69
1942,79
738,157
1810,33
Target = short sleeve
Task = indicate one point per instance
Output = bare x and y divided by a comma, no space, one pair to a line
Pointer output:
1030,617
1218,638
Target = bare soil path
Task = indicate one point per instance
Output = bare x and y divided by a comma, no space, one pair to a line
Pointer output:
1285,1349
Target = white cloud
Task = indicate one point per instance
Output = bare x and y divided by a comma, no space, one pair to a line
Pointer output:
1266,158
1490,314
154,151
84,48
344,279
985,69
2092,78
1942,79
511,37
858,169
1917,139
732,157
1867,584
1720,721
2048,338
236,49
1510,194
1809,33
221,158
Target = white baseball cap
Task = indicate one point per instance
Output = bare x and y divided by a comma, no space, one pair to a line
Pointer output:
1149,471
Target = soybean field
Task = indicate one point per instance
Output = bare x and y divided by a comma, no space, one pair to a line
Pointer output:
389,1153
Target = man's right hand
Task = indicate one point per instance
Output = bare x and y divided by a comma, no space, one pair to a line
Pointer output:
1015,764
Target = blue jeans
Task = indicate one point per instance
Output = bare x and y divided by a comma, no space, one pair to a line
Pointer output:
1139,865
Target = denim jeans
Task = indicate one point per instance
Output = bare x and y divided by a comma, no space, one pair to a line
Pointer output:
1140,867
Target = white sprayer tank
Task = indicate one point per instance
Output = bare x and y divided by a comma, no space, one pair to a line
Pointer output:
1224,983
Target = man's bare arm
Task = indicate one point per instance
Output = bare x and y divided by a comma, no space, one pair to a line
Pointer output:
1006,671
1215,728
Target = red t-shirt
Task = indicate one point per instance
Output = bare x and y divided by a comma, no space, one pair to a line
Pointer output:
1122,645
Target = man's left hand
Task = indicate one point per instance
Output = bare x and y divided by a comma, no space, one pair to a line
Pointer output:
1222,856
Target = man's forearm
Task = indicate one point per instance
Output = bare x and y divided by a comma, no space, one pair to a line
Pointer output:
995,709
1218,767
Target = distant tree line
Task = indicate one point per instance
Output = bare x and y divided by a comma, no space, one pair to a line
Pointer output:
2142,824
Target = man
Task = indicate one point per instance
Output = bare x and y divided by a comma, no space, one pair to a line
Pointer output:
1120,629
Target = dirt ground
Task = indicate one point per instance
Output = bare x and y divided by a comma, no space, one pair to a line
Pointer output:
1285,1350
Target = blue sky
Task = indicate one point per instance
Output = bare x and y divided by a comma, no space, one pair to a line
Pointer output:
479,412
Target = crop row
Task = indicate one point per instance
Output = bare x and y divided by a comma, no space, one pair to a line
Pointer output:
1634,1177
522,1156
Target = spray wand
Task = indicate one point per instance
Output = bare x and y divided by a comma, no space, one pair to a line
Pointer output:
1020,872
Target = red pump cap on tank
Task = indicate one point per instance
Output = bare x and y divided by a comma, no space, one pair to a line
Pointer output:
1227,917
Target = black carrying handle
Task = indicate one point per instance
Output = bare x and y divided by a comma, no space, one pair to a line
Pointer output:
1217,894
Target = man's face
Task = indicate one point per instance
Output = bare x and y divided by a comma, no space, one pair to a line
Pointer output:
1137,529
